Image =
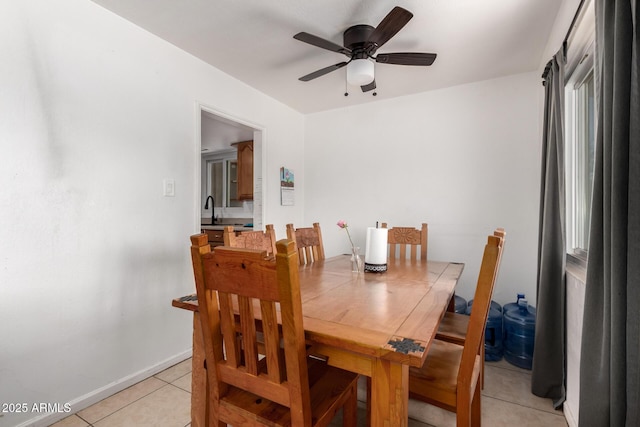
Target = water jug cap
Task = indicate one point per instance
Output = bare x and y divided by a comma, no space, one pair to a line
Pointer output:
523,305
520,296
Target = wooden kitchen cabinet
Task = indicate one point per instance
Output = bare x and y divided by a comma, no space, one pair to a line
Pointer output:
245,170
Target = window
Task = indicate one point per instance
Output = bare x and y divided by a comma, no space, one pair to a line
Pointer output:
580,116
580,131
220,179
584,159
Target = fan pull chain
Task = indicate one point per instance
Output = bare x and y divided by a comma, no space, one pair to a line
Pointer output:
346,85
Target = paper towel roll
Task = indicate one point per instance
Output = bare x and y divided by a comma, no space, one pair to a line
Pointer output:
375,257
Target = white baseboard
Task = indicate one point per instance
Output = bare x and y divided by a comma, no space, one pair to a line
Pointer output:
568,415
96,396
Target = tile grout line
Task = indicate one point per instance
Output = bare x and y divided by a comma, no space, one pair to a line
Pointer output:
134,401
77,415
519,404
561,414
130,403
182,376
528,373
511,369
422,422
164,381
179,388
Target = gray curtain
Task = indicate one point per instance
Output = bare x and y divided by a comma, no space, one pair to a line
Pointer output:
610,359
548,374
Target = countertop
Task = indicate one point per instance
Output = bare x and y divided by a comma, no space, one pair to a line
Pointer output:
236,227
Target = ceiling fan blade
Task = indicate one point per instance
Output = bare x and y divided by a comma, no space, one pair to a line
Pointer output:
321,43
406,58
322,71
370,86
389,26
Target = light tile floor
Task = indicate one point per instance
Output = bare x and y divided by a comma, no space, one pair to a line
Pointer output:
163,400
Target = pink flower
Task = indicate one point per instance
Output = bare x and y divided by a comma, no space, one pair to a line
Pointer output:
343,224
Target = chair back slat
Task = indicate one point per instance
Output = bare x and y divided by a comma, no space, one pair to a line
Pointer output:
228,329
273,352
249,340
248,284
401,238
308,241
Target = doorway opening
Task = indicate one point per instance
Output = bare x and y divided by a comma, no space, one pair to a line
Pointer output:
229,193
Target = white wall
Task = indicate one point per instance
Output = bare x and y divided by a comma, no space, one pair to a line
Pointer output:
464,159
95,113
574,316
566,12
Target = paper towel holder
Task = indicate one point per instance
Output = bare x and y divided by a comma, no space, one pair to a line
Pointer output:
375,260
375,268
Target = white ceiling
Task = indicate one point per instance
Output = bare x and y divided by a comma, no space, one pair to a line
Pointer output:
252,40
218,133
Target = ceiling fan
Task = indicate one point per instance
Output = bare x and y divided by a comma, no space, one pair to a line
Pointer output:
361,43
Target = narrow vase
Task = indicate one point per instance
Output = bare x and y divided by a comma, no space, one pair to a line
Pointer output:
356,260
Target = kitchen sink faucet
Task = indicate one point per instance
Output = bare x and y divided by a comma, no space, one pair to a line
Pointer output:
213,214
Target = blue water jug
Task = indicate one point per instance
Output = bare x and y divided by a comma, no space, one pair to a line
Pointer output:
461,305
519,335
493,336
512,305
493,347
494,306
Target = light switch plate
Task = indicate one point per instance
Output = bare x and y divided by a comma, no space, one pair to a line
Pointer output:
169,188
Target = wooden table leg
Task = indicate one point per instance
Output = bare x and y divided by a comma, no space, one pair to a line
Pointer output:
198,377
389,394
452,304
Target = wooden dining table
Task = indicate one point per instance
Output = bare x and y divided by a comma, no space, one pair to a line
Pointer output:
375,324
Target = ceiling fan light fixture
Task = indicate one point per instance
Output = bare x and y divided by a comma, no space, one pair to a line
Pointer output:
360,72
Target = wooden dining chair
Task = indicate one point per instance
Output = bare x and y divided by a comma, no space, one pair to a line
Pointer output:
402,238
450,376
285,387
308,242
453,326
263,240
